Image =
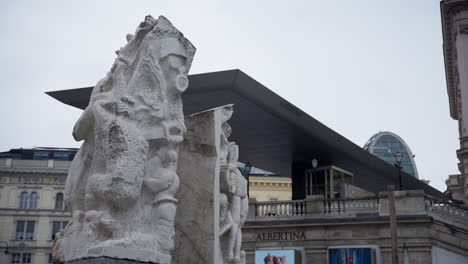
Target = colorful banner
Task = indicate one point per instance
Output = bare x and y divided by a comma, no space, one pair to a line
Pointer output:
274,257
350,256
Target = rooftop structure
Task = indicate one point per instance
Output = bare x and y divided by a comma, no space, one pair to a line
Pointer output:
386,145
275,135
40,153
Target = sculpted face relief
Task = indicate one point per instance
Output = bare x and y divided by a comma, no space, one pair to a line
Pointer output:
122,182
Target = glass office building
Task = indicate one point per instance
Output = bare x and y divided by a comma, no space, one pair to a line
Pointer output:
386,144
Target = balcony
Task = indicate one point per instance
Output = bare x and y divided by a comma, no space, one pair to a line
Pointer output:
50,165
408,203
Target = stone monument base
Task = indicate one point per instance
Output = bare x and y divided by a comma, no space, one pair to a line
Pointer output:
121,255
105,260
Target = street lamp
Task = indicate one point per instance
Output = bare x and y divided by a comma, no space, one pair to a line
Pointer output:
314,163
314,167
247,170
398,158
6,250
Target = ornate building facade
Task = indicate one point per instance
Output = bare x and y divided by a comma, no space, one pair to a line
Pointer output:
32,208
454,15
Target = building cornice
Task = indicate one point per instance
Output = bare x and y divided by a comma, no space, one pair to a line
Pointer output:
332,221
18,212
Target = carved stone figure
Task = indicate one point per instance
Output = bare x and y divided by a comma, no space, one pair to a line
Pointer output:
122,182
233,197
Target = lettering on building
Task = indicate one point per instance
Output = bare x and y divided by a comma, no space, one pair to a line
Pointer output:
281,236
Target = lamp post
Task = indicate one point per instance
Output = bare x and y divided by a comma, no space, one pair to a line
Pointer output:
6,249
314,167
247,169
398,158
314,163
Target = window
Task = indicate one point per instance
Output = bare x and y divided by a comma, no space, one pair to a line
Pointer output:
28,201
56,227
33,200
25,230
41,155
59,201
353,255
20,258
16,258
23,200
61,155
10,156
26,258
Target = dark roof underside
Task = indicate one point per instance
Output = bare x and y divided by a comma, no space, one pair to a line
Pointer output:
272,133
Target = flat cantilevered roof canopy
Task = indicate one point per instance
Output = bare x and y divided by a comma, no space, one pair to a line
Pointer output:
272,133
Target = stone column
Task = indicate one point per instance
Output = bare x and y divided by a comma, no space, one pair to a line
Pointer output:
252,214
197,218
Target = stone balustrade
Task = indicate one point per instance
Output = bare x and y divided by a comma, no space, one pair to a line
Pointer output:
26,164
444,209
280,208
352,206
408,202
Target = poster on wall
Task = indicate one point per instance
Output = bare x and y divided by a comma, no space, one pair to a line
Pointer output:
351,256
274,257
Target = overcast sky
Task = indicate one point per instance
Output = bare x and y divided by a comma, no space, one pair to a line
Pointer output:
359,67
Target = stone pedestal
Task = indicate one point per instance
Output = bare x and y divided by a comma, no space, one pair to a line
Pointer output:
105,260
314,204
407,202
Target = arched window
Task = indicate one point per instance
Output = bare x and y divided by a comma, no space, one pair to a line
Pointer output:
33,200
23,203
59,201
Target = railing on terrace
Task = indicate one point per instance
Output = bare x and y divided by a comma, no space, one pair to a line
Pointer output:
444,208
280,208
29,163
57,164
411,204
351,206
330,207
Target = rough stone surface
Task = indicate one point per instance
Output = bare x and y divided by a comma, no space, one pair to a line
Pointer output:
105,260
213,201
197,218
122,182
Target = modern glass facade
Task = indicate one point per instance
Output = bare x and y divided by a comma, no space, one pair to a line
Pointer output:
40,154
386,144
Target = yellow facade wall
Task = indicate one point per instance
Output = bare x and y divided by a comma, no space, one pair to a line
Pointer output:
269,188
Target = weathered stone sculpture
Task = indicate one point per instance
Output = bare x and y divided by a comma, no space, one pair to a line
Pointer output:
213,194
122,182
233,197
